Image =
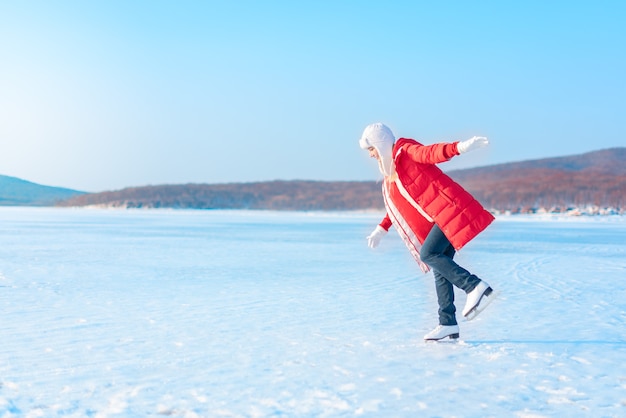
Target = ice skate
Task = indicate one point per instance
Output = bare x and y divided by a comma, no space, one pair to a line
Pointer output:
443,331
477,300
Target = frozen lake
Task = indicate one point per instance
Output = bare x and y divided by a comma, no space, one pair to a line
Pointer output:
256,314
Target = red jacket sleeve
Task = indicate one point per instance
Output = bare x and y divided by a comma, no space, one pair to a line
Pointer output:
386,223
431,154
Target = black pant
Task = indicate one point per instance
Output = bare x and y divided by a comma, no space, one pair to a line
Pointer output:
438,253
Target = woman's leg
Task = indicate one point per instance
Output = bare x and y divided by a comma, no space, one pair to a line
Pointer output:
445,299
438,253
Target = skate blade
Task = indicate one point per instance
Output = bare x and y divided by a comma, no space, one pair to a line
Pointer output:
485,300
452,339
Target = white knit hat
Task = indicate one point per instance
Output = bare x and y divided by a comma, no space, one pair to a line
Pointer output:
380,137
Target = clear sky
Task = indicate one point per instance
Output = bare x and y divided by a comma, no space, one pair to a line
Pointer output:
105,94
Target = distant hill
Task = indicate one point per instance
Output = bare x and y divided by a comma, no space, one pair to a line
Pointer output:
596,178
18,192
273,195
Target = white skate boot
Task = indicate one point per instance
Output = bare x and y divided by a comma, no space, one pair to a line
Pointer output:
477,300
443,331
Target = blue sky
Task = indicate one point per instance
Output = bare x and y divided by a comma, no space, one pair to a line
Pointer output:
101,95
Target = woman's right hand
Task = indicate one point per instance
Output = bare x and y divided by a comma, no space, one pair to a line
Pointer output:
374,238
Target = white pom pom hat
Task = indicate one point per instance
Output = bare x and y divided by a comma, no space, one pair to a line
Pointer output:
380,137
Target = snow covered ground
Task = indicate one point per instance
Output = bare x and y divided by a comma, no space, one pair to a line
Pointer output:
255,314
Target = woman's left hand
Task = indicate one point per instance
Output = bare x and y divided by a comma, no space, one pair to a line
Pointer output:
471,144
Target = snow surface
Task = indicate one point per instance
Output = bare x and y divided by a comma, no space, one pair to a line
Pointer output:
255,314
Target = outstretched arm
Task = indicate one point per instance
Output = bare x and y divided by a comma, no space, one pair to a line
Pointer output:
431,154
444,151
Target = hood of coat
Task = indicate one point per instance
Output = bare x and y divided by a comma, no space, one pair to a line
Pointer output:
381,138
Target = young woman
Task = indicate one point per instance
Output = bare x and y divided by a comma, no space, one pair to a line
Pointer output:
433,215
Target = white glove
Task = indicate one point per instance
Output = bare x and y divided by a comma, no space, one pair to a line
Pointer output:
374,238
472,144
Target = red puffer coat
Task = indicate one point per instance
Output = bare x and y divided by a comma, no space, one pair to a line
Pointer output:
420,194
